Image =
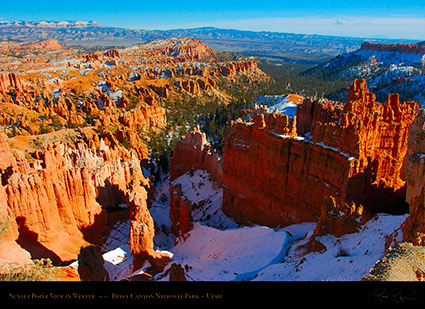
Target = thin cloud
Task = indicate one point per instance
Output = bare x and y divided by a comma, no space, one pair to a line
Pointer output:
340,22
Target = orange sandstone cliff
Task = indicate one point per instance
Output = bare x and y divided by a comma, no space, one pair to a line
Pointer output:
280,171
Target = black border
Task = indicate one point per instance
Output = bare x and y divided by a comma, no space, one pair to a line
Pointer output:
214,293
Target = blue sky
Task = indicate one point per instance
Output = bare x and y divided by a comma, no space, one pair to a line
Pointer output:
361,18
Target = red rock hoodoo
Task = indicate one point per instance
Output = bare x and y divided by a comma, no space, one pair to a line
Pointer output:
180,211
142,232
352,152
58,196
193,152
10,80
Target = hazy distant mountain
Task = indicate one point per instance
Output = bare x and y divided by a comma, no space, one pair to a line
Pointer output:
69,32
50,24
284,46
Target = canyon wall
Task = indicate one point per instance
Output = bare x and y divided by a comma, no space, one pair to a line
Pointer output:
375,134
274,177
280,171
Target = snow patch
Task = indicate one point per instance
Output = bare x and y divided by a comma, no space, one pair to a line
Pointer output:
279,103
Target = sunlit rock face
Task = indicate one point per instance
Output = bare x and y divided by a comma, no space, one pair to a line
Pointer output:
280,170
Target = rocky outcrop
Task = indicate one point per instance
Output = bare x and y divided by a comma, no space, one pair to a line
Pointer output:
413,48
194,152
404,262
112,53
182,49
191,86
130,122
376,135
273,177
233,68
99,56
338,218
177,272
352,152
142,228
191,153
414,171
51,203
91,265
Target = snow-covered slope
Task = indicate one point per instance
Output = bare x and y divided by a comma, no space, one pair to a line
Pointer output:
206,198
217,249
285,104
347,258
217,255
385,71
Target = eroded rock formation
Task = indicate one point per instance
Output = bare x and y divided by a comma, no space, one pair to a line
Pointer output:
191,153
352,152
10,80
58,196
180,211
338,218
194,152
